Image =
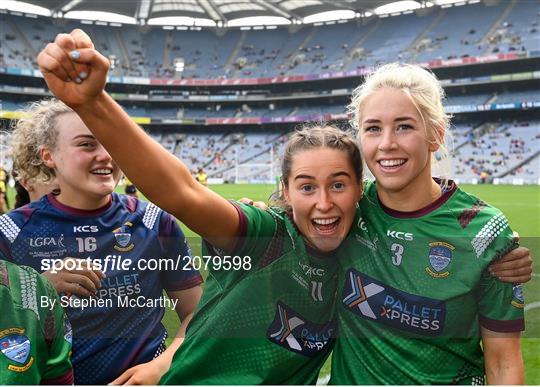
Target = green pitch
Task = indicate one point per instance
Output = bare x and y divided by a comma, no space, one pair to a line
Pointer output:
520,204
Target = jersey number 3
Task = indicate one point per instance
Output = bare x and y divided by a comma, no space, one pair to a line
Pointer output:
397,249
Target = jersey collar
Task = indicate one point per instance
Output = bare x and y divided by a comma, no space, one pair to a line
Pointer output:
75,211
447,193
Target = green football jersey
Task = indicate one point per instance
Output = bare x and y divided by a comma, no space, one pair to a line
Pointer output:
415,290
35,341
271,324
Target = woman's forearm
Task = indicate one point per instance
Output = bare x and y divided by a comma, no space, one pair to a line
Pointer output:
502,357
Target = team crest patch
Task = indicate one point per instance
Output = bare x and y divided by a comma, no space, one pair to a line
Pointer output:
297,334
16,347
376,301
519,299
440,256
123,237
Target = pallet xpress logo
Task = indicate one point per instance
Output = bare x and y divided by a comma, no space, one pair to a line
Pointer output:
297,334
17,348
376,301
123,237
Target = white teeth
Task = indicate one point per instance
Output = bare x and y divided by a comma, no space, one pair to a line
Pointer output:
325,221
102,171
392,163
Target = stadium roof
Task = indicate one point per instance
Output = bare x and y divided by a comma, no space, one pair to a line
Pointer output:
224,12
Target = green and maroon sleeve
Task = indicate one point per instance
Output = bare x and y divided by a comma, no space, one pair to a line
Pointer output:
500,304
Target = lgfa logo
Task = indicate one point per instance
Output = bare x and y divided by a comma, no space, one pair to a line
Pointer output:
47,241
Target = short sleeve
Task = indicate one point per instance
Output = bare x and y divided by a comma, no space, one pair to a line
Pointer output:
500,304
257,235
181,275
257,230
58,336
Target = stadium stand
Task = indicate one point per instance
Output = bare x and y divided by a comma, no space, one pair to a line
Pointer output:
518,31
301,108
438,33
500,150
202,122
460,31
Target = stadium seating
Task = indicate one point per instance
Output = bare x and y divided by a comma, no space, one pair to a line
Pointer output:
499,149
506,151
518,31
496,147
437,33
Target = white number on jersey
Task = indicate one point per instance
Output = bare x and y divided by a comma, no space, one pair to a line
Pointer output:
397,249
88,244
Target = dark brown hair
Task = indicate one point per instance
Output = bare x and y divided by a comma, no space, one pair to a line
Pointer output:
312,137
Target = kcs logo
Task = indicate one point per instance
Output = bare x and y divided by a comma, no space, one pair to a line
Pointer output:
85,228
406,236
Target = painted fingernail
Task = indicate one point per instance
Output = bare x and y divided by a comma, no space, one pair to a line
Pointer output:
78,80
83,75
75,54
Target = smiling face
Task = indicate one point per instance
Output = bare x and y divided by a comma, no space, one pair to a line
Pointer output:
395,143
85,172
323,191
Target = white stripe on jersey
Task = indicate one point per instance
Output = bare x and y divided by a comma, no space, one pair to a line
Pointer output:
28,291
9,228
488,233
150,215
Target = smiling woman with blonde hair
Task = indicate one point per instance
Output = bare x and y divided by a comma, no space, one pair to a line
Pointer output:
417,295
